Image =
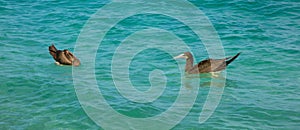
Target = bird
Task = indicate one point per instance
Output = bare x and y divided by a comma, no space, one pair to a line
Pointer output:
205,66
63,57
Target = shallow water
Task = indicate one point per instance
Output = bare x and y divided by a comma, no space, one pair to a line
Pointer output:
262,85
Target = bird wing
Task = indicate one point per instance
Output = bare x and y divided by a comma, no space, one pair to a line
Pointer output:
204,66
218,64
211,65
61,58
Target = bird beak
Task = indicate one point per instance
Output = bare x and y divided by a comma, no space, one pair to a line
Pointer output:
180,56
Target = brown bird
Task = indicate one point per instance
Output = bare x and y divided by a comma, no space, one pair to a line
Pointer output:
63,57
205,66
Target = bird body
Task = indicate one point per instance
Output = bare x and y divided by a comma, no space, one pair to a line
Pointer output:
63,57
205,66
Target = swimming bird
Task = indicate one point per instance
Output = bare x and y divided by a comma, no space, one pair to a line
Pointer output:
63,57
205,66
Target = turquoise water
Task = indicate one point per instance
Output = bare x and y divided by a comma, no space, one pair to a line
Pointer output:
262,85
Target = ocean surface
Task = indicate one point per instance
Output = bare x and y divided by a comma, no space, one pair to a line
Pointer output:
262,89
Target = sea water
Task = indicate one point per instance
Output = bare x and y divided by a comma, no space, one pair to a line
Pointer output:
262,85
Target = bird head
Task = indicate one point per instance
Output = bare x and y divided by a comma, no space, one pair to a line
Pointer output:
185,55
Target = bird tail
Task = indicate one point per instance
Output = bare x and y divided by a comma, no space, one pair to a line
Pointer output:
232,58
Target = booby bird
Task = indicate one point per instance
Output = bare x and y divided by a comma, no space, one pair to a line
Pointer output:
205,66
63,57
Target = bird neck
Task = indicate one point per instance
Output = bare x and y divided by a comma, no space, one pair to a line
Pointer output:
189,64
